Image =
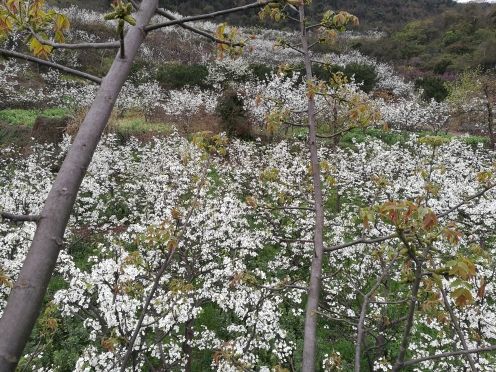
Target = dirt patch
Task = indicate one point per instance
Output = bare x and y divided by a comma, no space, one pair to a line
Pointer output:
47,129
14,135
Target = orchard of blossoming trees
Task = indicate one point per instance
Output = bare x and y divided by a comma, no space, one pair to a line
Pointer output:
317,248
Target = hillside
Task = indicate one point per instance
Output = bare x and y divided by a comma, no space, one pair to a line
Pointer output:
381,14
374,14
458,38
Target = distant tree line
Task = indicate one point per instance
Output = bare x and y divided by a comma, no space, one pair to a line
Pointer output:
381,14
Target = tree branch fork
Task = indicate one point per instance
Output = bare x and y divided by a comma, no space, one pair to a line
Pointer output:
20,217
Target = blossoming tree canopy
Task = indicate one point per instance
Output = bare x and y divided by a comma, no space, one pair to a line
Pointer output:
335,243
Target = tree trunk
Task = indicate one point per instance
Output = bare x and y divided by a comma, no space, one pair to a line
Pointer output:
316,270
25,300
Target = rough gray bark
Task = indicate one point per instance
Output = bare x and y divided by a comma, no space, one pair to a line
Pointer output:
26,297
309,345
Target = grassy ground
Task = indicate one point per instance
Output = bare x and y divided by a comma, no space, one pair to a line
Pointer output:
133,124
22,117
16,125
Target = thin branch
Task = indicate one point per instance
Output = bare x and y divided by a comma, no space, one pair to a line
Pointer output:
399,302
448,354
413,303
296,241
313,44
105,45
392,236
334,134
207,16
470,198
456,325
289,208
360,241
195,30
19,217
363,313
289,46
313,26
81,74
162,269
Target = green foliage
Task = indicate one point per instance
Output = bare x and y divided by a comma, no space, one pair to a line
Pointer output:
468,85
177,75
22,15
135,126
28,117
373,14
392,137
459,38
364,74
441,66
230,109
433,88
260,71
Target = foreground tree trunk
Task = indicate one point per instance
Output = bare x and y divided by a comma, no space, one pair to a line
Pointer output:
316,269
26,297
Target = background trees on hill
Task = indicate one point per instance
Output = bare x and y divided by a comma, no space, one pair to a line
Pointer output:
473,96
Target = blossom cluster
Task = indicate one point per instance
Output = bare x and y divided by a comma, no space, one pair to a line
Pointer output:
242,260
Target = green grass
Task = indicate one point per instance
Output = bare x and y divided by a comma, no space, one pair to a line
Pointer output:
28,117
392,137
133,125
15,124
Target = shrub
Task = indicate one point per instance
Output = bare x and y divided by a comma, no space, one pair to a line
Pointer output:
260,70
364,74
441,67
177,76
233,116
433,87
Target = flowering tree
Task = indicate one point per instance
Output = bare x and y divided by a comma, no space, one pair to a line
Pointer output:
26,296
252,256
407,217
473,95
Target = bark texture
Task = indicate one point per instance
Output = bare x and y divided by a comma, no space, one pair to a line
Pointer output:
309,345
26,297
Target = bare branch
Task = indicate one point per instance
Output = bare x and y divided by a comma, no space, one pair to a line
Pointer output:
20,217
363,313
469,199
456,325
68,70
289,208
334,135
411,310
200,17
105,45
360,241
195,30
448,354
